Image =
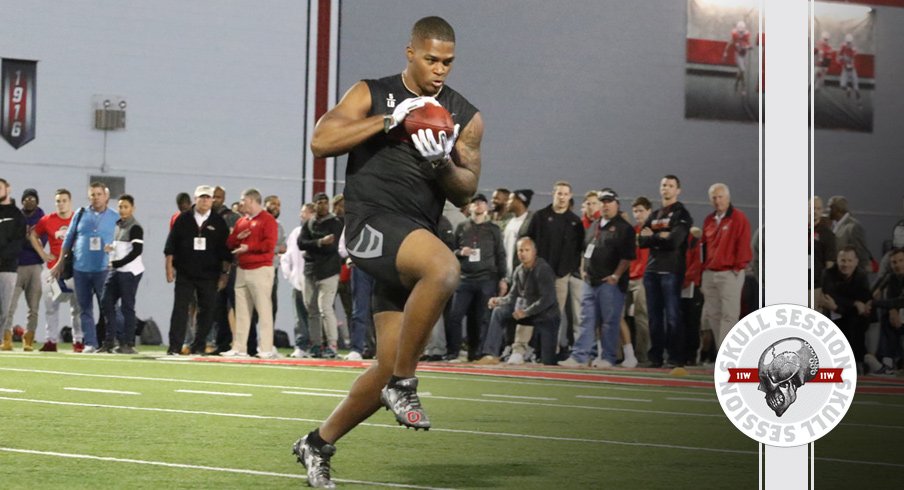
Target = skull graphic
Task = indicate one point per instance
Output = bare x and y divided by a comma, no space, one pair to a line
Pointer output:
784,367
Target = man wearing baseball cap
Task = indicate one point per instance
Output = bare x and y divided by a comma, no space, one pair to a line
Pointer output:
28,276
198,261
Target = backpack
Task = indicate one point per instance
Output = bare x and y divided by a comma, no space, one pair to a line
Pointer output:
149,332
281,339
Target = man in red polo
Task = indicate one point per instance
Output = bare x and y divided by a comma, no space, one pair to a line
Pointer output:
253,241
726,252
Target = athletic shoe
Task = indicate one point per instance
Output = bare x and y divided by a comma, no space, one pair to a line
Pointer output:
883,371
299,353
186,350
125,349
89,349
233,353
404,403
487,360
354,356
316,462
329,353
267,355
629,362
106,348
78,346
516,358
678,371
315,351
48,347
600,363
888,362
571,362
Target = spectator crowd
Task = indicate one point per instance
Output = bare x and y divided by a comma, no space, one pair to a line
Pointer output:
620,284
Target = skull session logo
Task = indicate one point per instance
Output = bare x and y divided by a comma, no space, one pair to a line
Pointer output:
785,375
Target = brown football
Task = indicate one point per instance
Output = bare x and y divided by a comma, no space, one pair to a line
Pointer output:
429,117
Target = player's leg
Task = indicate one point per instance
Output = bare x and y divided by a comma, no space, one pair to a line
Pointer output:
316,449
429,268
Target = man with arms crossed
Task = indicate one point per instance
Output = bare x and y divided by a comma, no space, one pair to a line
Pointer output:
394,195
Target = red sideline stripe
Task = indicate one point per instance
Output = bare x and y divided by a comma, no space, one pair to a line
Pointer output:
322,84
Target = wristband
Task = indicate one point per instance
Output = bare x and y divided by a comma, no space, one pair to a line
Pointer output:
387,123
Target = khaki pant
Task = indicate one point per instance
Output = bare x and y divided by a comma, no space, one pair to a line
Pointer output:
721,301
637,297
28,279
569,286
523,334
253,288
319,299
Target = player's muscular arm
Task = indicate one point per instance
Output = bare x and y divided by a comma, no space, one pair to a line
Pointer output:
459,181
346,125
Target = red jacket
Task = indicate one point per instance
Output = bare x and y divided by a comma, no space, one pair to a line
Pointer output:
261,242
639,264
693,272
726,246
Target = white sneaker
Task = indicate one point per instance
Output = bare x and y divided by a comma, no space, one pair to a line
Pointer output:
89,349
267,355
516,358
602,363
572,363
629,362
354,356
233,353
298,353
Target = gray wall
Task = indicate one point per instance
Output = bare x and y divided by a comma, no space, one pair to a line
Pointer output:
590,92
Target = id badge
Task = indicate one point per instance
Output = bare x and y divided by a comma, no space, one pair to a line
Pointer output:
95,244
200,243
588,253
475,255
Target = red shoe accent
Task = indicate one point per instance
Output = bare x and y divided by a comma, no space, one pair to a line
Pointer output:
78,346
48,347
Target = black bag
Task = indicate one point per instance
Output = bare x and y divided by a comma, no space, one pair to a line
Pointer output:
149,332
68,258
66,335
281,339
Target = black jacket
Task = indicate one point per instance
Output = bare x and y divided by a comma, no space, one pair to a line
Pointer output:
559,238
12,236
845,291
537,287
324,261
667,254
486,237
180,243
611,244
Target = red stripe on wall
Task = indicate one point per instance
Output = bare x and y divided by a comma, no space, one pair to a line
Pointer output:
709,52
321,87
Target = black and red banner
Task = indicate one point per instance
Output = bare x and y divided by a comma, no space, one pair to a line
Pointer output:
18,101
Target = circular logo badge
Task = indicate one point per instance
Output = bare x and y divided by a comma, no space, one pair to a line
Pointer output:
785,375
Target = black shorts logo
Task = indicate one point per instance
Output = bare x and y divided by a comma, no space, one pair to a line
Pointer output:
367,245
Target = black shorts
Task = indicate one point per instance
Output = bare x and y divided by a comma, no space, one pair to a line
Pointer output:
373,244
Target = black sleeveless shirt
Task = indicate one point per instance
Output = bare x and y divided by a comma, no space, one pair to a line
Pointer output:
386,174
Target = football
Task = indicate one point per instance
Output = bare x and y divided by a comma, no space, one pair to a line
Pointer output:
429,117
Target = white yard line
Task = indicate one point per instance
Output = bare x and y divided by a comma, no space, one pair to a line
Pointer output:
311,393
595,397
8,390
199,467
215,393
354,372
439,430
98,390
517,397
685,399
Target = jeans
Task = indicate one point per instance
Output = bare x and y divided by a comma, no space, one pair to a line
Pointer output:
362,320
470,299
122,287
546,327
302,337
664,310
601,303
89,285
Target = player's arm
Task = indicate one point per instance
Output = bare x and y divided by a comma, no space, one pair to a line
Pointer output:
346,125
459,180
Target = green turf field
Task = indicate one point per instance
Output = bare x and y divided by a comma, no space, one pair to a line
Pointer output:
188,424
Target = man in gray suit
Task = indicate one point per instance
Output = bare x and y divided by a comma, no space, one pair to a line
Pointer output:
848,231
